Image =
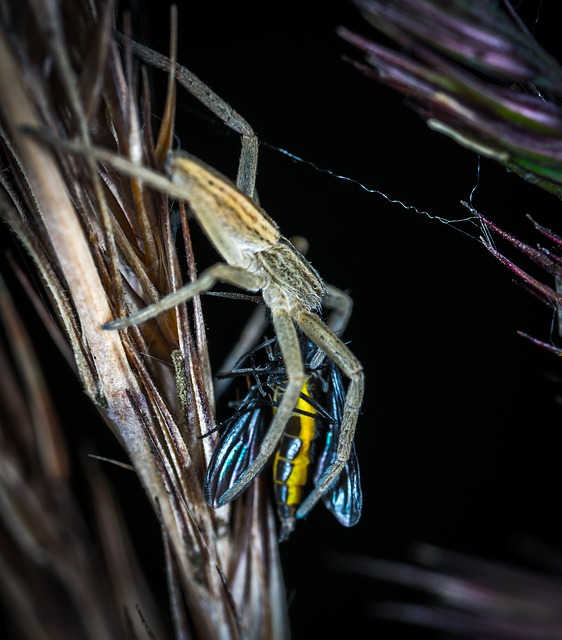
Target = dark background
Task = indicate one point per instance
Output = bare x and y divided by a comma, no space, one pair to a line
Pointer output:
458,437
459,431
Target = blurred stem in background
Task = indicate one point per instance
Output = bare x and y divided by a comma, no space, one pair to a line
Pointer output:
473,72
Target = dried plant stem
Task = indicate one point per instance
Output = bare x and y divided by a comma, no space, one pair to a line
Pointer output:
103,244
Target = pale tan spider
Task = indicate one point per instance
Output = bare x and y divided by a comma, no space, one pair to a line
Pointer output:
257,258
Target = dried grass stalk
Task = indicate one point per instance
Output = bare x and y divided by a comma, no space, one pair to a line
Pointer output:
103,246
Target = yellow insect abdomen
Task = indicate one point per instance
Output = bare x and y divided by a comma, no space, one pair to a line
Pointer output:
292,461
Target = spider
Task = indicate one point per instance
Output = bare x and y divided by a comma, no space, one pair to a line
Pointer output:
257,258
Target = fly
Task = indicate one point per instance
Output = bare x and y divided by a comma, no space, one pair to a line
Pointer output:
307,447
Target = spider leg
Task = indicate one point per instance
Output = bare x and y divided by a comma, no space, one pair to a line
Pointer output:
248,162
341,306
337,351
290,350
218,272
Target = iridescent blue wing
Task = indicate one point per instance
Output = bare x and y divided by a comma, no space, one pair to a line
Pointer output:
344,498
237,447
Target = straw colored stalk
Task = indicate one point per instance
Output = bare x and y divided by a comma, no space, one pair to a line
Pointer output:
103,246
56,583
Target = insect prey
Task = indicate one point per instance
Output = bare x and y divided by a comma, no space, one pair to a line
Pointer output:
307,446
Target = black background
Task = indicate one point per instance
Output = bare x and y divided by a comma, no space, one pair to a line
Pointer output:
458,436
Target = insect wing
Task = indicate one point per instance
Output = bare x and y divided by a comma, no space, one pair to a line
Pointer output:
236,448
344,498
